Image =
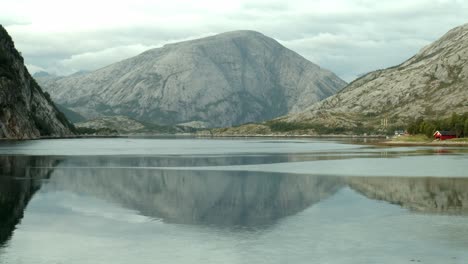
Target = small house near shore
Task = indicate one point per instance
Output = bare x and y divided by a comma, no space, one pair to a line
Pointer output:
400,133
443,135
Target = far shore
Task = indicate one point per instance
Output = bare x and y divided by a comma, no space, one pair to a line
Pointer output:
289,136
377,140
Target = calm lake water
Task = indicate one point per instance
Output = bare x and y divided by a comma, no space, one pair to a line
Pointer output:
231,201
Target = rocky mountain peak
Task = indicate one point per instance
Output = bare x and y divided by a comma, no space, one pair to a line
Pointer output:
222,80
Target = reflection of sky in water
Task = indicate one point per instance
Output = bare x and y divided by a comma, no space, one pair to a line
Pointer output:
124,146
413,164
437,166
133,146
238,201
320,157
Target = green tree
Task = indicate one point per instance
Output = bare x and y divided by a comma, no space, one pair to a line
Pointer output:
453,121
465,129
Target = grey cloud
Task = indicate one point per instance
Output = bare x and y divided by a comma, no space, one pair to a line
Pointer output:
367,36
265,7
11,21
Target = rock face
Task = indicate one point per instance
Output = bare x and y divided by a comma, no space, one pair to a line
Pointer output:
25,110
223,80
433,83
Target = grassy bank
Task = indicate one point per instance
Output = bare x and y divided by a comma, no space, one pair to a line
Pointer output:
458,140
423,140
412,138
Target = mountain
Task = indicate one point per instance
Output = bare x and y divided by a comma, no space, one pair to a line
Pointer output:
25,110
223,80
433,83
42,74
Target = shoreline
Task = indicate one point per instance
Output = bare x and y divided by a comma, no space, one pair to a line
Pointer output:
292,136
422,144
197,136
382,142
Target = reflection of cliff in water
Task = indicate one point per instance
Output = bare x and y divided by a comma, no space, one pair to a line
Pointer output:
18,183
201,197
436,195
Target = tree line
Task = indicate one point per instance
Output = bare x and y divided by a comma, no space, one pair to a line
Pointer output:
457,123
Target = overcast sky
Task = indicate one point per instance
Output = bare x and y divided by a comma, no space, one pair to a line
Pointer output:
348,37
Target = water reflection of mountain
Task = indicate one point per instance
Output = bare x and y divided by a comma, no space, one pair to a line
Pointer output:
18,183
222,198
436,195
201,197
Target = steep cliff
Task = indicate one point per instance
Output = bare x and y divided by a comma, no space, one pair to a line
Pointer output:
25,110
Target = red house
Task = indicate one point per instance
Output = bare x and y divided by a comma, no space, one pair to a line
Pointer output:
443,135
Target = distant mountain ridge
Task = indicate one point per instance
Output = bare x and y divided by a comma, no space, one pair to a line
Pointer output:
223,80
42,74
25,110
431,84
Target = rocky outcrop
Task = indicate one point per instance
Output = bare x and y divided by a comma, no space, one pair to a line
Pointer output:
432,84
25,110
223,80
121,124
124,125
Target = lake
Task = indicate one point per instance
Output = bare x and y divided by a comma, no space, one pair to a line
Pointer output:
254,200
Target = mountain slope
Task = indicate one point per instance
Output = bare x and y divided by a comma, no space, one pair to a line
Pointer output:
227,79
433,83
25,110
72,116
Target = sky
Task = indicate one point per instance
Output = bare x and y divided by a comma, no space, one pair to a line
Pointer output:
348,37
